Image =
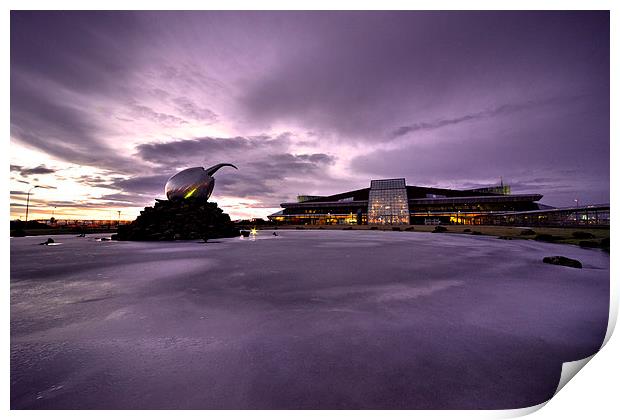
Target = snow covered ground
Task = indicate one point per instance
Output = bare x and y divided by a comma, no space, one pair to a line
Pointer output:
307,319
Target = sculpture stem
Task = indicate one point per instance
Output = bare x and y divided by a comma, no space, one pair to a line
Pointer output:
213,169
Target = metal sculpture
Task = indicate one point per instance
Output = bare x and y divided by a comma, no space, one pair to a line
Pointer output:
193,183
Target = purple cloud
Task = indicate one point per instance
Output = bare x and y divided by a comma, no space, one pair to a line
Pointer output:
315,102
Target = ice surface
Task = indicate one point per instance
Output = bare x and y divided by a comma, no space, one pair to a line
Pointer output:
307,319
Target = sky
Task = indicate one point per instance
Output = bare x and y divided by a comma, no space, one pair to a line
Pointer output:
106,106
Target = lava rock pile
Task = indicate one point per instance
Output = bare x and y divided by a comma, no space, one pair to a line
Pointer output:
178,220
560,260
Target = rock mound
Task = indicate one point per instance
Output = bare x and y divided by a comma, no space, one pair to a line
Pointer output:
172,220
589,244
559,260
545,237
583,235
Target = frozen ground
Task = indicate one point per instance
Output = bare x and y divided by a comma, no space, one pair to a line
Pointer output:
308,319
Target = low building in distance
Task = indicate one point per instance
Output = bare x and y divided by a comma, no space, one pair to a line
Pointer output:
391,201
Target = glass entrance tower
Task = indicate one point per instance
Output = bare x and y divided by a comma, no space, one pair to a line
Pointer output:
387,202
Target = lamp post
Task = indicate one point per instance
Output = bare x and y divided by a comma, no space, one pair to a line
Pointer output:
119,219
28,200
576,200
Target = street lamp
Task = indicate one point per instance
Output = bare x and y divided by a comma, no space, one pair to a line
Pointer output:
28,200
576,200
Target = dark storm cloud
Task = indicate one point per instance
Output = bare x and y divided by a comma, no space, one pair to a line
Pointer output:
55,53
206,149
263,179
506,109
175,152
262,167
358,81
39,170
401,131
82,51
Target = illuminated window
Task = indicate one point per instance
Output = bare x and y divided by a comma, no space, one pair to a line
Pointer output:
388,203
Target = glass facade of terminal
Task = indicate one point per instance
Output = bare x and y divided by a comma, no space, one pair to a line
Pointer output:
387,202
392,202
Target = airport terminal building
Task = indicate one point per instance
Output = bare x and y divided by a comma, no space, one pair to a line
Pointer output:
392,202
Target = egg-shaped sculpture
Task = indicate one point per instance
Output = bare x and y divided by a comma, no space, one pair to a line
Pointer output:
193,182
